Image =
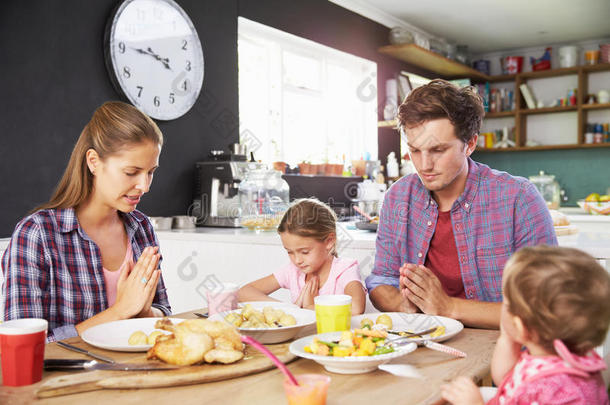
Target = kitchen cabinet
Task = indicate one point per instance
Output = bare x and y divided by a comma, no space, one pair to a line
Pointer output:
450,69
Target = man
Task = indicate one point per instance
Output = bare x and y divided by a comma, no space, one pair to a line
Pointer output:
446,232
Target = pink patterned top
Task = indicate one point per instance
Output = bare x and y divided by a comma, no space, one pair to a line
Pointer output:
112,277
563,379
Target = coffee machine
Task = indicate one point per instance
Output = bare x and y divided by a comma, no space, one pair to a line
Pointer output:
215,201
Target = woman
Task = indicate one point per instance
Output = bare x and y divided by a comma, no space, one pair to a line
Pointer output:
88,256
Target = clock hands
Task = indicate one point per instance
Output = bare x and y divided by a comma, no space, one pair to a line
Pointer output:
149,51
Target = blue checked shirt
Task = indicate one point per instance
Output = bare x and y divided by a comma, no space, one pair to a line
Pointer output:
495,216
53,270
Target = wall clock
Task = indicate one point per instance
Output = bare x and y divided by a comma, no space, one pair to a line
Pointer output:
154,57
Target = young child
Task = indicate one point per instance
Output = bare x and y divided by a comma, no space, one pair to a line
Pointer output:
308,231
556,304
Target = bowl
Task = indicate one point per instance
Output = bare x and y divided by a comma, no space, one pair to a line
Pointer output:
595,207
161,223
304,318
366,226
346,365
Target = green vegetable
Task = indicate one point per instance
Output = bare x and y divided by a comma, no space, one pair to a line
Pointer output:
366,326
383,350
329,344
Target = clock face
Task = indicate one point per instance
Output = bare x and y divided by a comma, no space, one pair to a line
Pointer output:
154,57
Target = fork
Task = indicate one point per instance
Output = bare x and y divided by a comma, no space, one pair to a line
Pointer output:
413,334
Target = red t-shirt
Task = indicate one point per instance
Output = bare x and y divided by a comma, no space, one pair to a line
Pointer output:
442,257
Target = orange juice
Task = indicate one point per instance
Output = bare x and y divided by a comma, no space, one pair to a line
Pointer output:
312,389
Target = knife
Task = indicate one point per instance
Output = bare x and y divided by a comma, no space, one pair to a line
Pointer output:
81,364
83,351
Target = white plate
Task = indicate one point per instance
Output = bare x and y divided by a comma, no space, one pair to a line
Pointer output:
115,335
304,317
346,365
414,323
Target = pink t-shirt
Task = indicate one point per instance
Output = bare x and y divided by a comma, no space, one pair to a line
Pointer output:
112,277
563,379
342,272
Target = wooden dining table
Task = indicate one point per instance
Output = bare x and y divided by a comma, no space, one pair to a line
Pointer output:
266,387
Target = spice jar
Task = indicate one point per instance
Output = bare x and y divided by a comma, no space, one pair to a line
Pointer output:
263,199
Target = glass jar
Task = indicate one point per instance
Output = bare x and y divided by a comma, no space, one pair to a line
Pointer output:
263,199
400,35
462,55
548,188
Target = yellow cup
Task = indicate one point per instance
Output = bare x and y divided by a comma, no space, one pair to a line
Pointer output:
333,312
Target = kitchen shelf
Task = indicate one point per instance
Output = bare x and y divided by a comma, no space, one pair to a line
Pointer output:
546,147
595,106
548,110
432,61
541,74
449,69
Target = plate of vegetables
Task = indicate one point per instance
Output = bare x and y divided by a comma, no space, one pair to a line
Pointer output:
349,352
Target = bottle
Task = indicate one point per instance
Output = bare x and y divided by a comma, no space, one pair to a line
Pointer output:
407,167
392,168
589,134
379,177
598,135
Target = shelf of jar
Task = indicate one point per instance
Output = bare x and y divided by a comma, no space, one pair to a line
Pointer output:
546,147
595,106
548,110
432,61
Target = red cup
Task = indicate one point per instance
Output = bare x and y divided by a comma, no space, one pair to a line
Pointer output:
22,344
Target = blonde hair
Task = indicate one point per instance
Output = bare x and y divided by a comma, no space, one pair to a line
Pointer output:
311,218
559,293
113,125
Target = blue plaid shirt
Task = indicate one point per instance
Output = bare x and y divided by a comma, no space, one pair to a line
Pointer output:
53,270
495,216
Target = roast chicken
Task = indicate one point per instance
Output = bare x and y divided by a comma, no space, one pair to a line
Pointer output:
194,341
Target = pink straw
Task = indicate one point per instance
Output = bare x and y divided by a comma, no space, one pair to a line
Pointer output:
444,348
258,346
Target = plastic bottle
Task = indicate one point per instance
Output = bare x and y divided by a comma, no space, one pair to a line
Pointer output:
589,134
392,168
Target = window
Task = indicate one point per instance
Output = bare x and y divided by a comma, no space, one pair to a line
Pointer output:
302,101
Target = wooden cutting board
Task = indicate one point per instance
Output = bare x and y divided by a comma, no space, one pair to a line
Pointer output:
56,384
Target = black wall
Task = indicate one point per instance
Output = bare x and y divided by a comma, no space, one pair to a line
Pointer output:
52,77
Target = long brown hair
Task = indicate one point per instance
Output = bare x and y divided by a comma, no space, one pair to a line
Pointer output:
113,125
559,293
310,218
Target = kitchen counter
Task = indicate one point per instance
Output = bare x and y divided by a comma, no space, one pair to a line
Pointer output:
347,234
596,244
